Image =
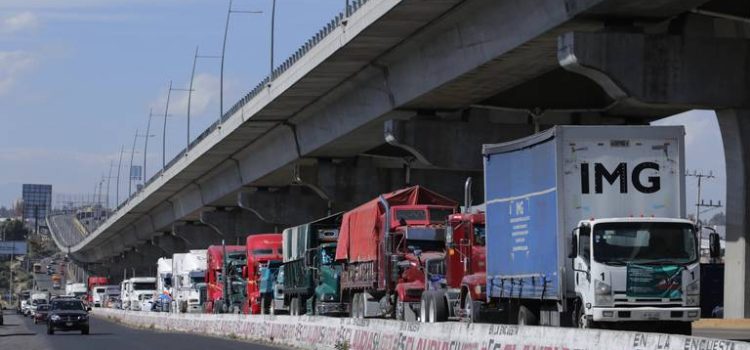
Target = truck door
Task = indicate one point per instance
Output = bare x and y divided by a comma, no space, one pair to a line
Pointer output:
582,263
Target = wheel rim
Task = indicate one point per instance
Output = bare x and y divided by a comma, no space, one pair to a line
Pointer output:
469,308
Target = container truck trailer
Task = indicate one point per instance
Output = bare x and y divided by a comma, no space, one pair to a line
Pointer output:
311,277
384,246
584,228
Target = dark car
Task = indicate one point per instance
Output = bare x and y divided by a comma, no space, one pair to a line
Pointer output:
40,315
68,315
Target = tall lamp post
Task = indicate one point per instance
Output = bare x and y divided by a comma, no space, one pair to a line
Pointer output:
230,11
145,143
191,90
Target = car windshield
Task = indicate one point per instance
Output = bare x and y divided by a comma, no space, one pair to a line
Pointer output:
42,307
644,243
67,305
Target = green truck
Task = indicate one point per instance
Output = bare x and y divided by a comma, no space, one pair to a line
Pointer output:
310,274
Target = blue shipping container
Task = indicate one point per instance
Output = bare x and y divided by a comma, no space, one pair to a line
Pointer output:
521,198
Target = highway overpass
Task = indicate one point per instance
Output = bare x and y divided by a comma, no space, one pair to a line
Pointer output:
406,91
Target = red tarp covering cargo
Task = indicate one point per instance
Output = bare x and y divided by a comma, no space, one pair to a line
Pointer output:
358,237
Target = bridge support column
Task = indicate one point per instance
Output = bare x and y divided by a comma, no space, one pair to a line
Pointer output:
235,224
191,236
288,206
735,131
170,244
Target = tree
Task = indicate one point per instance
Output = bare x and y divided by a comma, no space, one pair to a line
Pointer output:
14,230
718,219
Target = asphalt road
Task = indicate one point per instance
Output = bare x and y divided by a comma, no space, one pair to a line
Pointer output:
21,333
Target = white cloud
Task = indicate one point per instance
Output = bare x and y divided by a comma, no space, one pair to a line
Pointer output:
12,65
205,95
19,22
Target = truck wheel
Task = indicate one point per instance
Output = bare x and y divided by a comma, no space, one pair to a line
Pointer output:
424,307
526,317
50,330
356,311
471,309
263,309
438,308
579,319
400,311
294,307
272,308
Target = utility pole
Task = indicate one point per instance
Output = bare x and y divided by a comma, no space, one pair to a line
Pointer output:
230,11
700,176
189,91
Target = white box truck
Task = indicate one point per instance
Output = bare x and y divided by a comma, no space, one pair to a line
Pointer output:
585,227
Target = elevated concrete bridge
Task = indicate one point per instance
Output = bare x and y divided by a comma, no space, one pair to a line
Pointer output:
406,91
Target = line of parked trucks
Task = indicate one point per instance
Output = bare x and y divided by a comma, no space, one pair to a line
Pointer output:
580,226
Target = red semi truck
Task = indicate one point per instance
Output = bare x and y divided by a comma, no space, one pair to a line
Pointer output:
94,281
459,296
224,285
386,247
261,250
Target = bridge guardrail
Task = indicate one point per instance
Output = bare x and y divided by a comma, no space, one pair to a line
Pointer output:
311,332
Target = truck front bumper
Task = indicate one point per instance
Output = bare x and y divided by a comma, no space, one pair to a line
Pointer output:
328,308
623,314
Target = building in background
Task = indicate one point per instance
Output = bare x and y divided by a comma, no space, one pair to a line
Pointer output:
37,202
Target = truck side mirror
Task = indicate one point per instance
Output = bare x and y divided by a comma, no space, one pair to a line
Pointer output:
573,244
714,242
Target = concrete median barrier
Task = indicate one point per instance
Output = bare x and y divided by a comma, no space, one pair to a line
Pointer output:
345,333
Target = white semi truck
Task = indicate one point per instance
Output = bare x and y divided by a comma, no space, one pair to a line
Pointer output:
585,225
137,291
188,270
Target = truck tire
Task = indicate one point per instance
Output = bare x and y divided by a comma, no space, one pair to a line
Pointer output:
357,311
272,309
294,307
424,307
438,308
471,309
263,309
579,317
526,317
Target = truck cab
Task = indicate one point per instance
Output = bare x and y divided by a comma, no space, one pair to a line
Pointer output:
263,252
630,270
225,287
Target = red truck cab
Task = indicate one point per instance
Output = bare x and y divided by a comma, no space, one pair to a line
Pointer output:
92,282
466,259
214,269
385,247
261,250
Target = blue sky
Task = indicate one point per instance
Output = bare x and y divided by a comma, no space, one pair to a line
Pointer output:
77,77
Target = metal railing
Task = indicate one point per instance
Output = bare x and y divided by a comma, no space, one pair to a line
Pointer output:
287,64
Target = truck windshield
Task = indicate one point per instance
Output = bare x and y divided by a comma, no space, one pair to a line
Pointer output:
644,243
144,286
327,255
439,215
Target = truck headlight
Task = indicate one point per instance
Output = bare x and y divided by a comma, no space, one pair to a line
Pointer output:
603,294
603,288
478,289
54,318
692,300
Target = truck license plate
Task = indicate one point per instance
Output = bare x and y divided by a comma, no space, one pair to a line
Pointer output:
68,324
651,315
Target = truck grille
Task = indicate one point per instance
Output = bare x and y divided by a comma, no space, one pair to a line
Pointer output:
621,300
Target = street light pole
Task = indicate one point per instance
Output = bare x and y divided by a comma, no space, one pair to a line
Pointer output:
119,167
273,34
130,169
223,56
164,131
145,144
190,92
